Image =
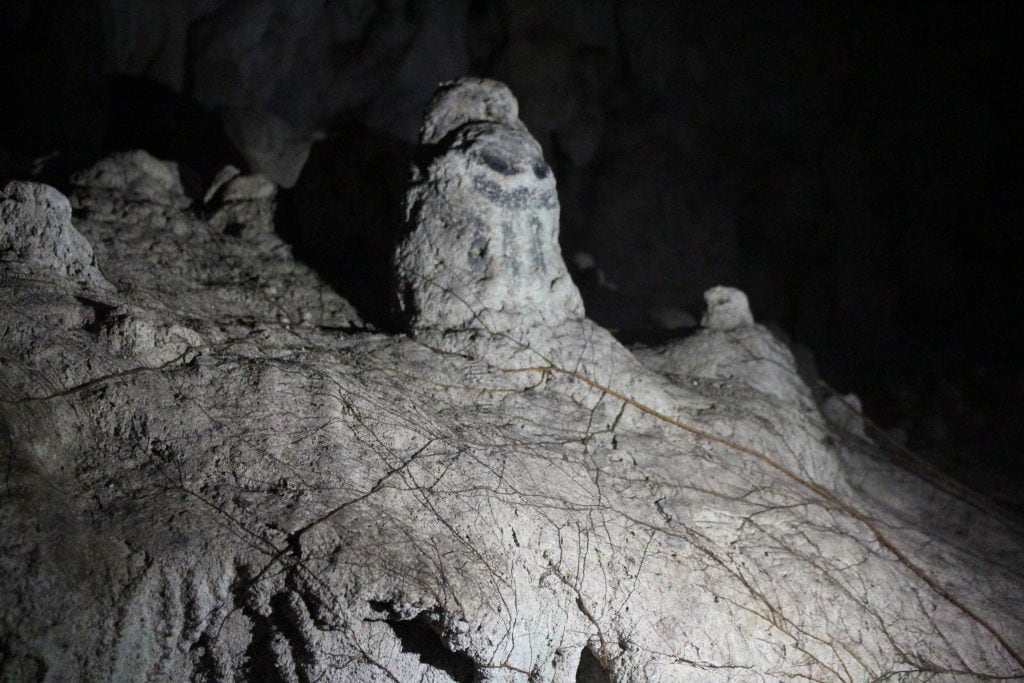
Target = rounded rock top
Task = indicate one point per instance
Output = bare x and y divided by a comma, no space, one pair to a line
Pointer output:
727,309
469,100
482,248
37,237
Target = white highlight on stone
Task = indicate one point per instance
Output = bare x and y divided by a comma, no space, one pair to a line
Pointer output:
728,309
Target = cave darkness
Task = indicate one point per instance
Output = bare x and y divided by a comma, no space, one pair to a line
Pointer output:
857,170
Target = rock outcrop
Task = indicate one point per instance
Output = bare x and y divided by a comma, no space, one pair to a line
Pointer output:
37,238
212,471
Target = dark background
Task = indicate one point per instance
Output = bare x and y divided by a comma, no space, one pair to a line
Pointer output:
856,169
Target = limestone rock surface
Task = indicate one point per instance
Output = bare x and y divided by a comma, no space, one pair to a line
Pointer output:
483,248
211,472
37,237
727,309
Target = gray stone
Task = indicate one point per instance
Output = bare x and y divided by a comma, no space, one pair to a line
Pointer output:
846,413
727,309
135,176
219,180
37,238
215,475
748,356
482,251
469,100
239,202
269,145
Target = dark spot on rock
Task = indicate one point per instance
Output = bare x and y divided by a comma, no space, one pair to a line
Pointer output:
590,669
496,162
419,636
478,252
517,199
541,169
100,313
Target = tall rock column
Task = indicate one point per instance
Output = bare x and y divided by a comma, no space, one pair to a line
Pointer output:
482,251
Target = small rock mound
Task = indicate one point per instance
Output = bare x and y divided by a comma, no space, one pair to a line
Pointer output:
38,239
129,184
482,251
730,347
238,202
727,309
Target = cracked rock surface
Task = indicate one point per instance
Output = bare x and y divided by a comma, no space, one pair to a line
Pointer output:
212,473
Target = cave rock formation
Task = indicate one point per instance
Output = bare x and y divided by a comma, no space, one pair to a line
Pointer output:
213,470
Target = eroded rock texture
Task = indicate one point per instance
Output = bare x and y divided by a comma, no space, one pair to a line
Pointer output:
211,473
483,251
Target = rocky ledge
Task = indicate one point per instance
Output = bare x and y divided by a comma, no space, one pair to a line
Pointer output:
214,470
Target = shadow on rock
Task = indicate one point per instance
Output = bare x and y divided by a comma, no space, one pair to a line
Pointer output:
344,216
